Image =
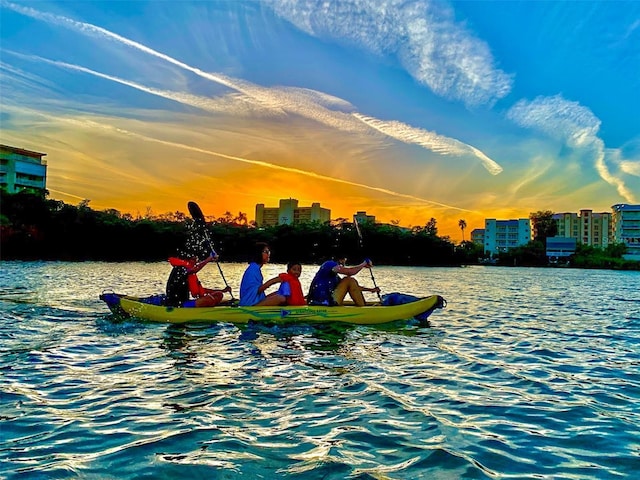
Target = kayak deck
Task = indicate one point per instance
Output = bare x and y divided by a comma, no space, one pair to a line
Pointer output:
152,309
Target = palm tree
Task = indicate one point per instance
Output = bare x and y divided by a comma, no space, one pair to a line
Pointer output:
462,224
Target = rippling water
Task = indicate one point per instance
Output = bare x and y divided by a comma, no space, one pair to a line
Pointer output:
528,373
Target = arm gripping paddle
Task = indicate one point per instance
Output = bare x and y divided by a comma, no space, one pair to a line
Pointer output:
355,222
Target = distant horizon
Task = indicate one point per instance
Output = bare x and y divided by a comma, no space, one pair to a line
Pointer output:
407,110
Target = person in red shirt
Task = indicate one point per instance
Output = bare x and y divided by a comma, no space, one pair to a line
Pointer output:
183,281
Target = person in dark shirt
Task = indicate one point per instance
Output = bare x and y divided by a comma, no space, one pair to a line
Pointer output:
329,288
183,281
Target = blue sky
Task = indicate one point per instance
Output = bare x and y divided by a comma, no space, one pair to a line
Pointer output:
408,110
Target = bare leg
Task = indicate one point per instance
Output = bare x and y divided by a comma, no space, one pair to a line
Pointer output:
209,300
349,285
273,299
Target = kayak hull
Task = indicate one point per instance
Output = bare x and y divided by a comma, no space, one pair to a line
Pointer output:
150,309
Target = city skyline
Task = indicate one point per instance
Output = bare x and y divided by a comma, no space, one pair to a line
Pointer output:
406,110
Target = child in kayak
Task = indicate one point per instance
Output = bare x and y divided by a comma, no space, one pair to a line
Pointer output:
290,287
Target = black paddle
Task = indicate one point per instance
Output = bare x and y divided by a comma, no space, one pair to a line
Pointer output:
355,222
198,218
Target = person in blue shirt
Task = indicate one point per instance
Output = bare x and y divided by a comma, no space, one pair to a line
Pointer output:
252,286
329,288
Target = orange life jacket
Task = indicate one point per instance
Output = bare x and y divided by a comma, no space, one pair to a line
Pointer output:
297,297
195,287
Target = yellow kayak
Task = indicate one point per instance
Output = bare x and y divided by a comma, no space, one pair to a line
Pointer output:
151,309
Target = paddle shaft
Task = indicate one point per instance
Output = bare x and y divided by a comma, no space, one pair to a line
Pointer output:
373,279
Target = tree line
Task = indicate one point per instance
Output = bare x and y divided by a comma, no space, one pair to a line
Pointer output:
34,227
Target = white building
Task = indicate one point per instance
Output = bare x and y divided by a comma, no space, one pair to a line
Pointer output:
288,212
626,228
22,169
501,235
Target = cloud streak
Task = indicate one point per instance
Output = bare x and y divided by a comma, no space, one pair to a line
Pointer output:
430,140
317,106
422,35
577,127
106,128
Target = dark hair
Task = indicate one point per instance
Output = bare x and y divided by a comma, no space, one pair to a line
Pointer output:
256,255
292,263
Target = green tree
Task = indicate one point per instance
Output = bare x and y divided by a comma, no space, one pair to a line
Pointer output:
543,225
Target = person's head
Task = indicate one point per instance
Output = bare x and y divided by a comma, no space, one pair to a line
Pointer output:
261,253
294,268
340,257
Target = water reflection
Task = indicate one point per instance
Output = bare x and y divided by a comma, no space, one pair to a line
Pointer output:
176,340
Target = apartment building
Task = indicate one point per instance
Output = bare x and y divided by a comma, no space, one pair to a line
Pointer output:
501,235
477,236
362,217
586,227
288,212
22,170
626,228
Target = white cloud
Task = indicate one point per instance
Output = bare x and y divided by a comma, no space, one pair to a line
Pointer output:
317,106
630,167
423,35
577,127
431,140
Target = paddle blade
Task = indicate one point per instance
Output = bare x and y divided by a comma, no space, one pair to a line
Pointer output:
196,213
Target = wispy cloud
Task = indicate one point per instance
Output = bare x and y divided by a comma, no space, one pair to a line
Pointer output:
577,127
423,35
317,106
431,140
86,123
226,104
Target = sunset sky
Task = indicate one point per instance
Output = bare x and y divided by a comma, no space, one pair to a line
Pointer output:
405,109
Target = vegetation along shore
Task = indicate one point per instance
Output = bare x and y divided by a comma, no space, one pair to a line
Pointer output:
34,227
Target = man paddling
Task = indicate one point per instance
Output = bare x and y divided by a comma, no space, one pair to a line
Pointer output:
328,288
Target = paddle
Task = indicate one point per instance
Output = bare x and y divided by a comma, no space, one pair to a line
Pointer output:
198,218
355,222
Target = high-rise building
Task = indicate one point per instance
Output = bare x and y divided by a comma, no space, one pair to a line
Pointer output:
586,227
288,213
501,235
626,228
22,169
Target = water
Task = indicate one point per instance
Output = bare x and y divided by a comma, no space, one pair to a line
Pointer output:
528,373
